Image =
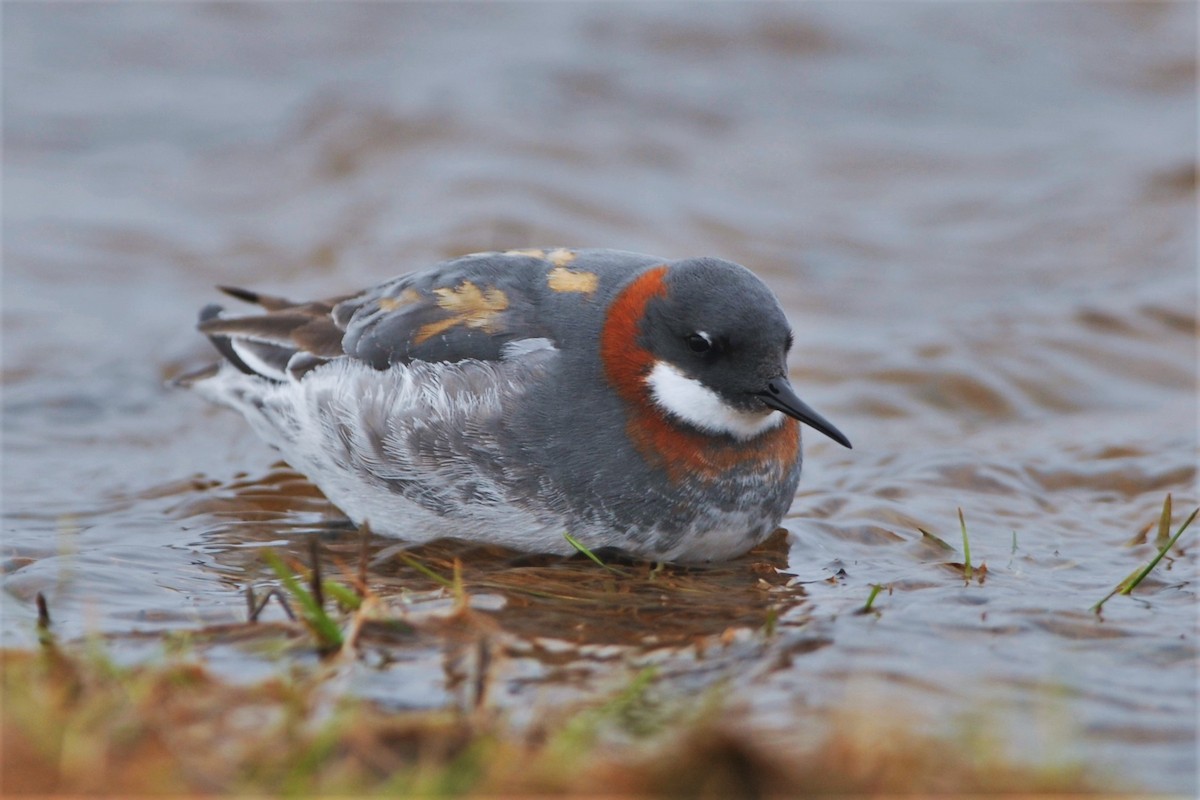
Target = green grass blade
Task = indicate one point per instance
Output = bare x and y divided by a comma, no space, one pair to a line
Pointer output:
424,570
771,621
1164,523
876,588
571,540
1159,557
966,546
457,587
328,634
1131,581
345,596
1096,608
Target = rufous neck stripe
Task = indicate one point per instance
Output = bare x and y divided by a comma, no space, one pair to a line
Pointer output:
626,363
682,453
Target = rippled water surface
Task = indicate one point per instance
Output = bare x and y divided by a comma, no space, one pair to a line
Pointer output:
980,219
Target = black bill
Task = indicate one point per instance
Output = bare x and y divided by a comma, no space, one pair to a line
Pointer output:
780,396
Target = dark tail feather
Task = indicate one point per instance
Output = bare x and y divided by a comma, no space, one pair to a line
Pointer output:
195,376
266,301
212,311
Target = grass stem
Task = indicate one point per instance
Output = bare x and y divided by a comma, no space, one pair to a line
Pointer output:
967,571
582,548
1127,586
424,570
1164,523
876,588
44,634
329,635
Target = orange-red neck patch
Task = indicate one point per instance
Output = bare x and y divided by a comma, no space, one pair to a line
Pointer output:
682,452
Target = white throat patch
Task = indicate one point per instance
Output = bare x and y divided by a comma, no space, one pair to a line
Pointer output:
694,403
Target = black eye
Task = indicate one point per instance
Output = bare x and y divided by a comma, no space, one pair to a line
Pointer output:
699,343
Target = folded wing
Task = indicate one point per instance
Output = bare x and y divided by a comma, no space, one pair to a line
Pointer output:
476,307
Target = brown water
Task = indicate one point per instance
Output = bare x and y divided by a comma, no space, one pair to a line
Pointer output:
980,218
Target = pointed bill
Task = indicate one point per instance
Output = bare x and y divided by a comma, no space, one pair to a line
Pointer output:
780,396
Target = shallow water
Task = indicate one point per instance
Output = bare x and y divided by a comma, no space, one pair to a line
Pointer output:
980,219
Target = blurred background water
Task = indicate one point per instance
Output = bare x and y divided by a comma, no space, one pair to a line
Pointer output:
980,217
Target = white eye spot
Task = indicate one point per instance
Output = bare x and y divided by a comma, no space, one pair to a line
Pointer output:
694,403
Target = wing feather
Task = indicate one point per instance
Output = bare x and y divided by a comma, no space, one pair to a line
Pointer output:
468,308
473,307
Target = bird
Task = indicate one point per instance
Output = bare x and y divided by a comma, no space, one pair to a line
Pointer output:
528,397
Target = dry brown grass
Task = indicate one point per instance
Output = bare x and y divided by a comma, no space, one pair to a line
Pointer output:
74,724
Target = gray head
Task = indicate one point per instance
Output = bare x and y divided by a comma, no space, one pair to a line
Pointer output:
720,342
